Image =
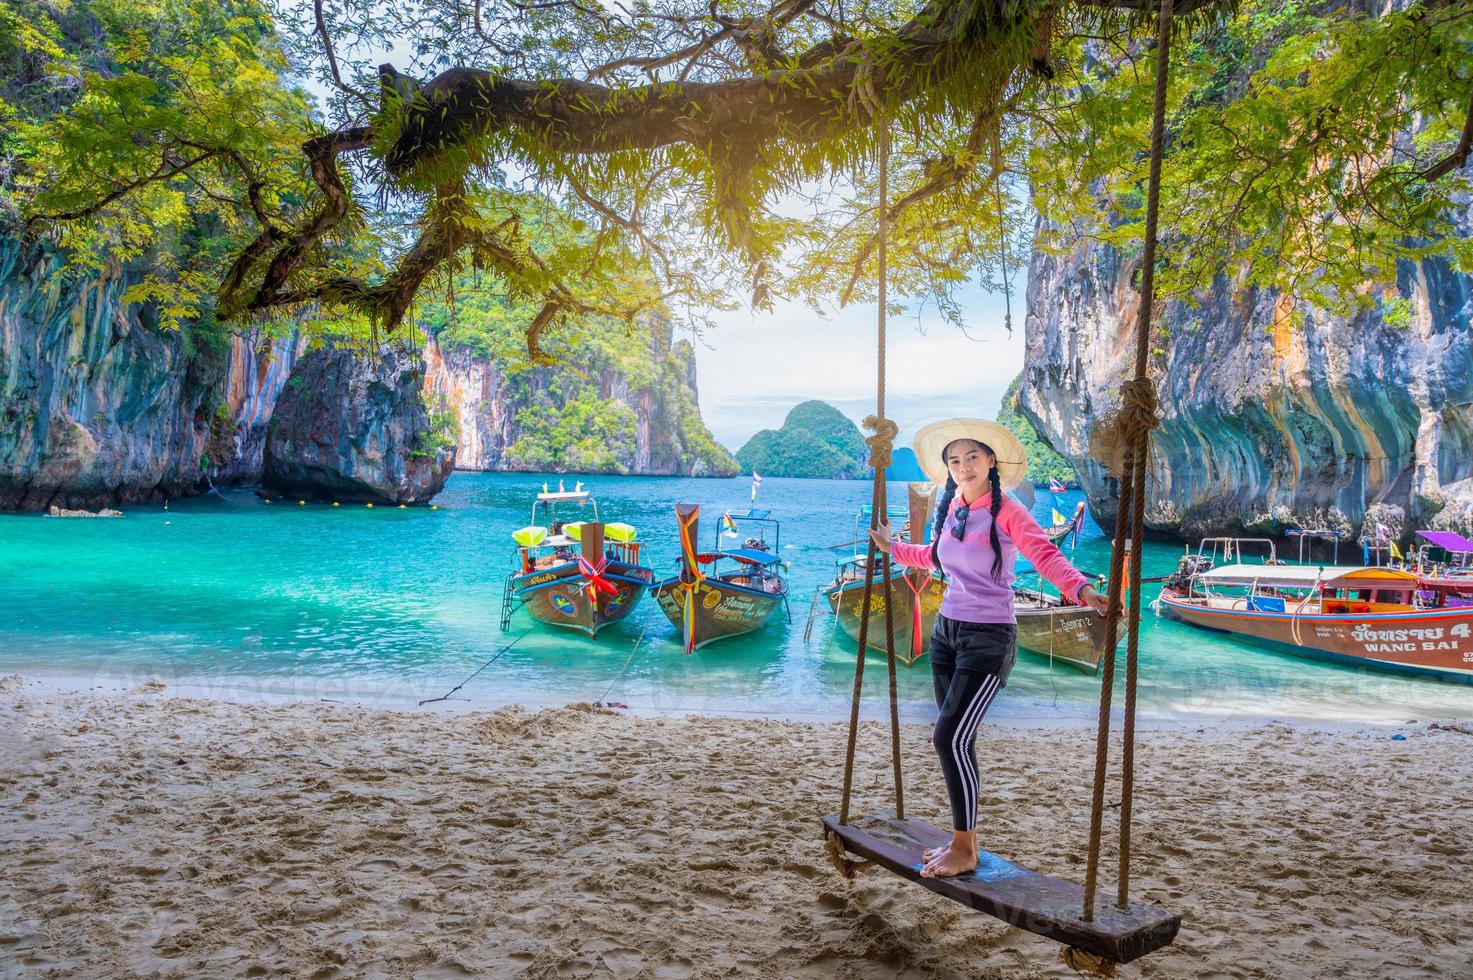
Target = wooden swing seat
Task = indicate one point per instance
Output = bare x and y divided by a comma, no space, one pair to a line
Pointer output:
1037,903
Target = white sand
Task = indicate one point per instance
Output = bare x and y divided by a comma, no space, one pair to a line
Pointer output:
151,835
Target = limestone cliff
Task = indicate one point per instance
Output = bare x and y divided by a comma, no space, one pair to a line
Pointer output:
633,411
356,427
98,406
1265,427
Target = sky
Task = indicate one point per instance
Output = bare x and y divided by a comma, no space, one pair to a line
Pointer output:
752,369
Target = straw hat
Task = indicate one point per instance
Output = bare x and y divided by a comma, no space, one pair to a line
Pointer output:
931,442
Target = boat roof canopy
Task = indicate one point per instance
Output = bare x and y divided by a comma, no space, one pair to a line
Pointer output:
747,556
1337,576
751,515
1447,540
559,495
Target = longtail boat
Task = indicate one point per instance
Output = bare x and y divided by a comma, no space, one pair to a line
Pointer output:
739,588
1061,631
915,593
1382,618
581,575
1456,564
1063,529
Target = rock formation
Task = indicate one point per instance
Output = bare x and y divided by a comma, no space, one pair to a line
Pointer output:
522,418
816,440
1344,423
357,427
98,406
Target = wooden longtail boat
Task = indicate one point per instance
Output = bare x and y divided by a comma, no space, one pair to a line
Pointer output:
1381,618
1066,633
1047,626
916,593
739,591
1073,525
579,575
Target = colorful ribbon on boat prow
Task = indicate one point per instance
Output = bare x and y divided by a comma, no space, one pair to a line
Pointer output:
690,585
917,636
596,581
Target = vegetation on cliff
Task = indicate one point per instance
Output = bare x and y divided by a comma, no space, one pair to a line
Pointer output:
1043,463
816,440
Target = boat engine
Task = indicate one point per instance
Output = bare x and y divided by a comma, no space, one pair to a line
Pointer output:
1188,568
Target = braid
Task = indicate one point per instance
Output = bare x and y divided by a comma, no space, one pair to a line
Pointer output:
942,509
992,531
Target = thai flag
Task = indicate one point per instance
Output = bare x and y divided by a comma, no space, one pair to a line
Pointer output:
1056,486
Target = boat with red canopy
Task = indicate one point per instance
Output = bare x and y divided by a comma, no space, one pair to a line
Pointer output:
1378,617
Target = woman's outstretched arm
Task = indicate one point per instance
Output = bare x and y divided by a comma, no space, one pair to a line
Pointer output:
1049,560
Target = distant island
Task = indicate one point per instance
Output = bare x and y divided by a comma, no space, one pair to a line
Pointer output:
816,441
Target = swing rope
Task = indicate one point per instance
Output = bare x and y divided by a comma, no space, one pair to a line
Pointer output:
1136,419
881,445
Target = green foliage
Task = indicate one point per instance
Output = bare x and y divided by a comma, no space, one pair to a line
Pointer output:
442,422
816,440
566,421
581,435
1043,463
164,126
1298,137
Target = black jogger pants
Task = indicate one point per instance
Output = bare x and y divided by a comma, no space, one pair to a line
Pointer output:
970,663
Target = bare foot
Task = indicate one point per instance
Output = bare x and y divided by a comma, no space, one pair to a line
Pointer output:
932,853
950,862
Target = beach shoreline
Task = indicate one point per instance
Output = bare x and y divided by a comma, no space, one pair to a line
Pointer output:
1014,713
149,833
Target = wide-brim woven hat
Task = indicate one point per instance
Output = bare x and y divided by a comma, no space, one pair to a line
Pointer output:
931,442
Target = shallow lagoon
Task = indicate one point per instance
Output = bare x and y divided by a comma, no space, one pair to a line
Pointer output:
230,596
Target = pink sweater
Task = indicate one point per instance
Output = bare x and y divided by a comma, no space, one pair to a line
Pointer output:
972,594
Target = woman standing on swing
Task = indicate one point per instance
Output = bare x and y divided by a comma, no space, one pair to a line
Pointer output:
978,534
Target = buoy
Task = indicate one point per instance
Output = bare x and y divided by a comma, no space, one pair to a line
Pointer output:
401,506
301,502
265,500
434,506
370,506
334,503
167,523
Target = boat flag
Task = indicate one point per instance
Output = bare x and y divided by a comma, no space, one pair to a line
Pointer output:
756,483
1059,519
1396,552
728,526
1055,485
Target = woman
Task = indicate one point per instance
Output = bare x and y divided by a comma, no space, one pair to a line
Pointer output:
976,540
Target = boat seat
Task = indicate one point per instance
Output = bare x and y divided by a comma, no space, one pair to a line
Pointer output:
1039,904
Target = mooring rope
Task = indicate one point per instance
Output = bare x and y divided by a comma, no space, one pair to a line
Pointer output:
499,653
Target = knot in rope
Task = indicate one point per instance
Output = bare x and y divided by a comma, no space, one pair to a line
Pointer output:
1139,405
882,443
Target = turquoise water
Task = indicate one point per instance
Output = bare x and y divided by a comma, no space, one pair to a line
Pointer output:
227,595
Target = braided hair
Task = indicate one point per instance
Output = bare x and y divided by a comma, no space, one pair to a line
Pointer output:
943,509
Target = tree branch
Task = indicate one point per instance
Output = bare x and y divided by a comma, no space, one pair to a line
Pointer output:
332,59
1458,158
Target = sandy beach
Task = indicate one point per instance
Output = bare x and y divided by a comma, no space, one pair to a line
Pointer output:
148,835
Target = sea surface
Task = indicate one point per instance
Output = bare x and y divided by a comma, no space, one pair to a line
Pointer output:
228,596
